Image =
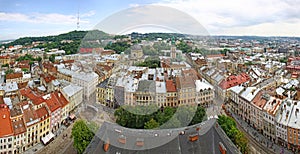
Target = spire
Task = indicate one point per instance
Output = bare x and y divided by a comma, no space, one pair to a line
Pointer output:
173,40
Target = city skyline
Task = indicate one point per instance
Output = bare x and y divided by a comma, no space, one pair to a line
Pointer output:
255,18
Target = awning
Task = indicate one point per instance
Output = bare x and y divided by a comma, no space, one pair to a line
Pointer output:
47,138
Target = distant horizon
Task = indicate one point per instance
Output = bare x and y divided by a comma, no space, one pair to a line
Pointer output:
214,35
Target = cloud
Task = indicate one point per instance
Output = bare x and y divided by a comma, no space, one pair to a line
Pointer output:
134,5
220,16
50,18
88,14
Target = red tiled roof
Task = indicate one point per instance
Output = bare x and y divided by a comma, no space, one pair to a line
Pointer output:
53,103
14,75
107,52
22,85
170,86
68,61
192,73
63,101
86,50
185,82
42,112
232,80
48,78
215,56
4,57
259,101
29,114
31,95
19,127
5,122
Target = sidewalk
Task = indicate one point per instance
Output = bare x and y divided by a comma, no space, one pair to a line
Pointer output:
260,138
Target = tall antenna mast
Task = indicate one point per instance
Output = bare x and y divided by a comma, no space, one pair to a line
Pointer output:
78,19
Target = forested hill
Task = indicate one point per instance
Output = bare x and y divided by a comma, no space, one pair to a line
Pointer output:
73,35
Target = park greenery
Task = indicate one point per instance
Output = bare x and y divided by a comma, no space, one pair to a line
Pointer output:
28,57
235,135
83,133
118,46
9,71
149,117
151,62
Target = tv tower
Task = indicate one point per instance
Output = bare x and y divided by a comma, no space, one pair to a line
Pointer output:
78,19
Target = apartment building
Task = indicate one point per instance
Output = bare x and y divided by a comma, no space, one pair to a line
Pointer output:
282,120
205,93
88,81
269,122
6,130
74,94
171,98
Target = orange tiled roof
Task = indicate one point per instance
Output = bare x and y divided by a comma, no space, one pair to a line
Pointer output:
61,98
170,86
48,78
259,101
29,114
22,85
233,80
14,75
5,122
53,103
42,112
19,127
215,56
34,97
185,82
4,57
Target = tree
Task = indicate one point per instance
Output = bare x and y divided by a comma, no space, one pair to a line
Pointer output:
24,69
235,135
82,135
151,124
199,116
9,71
52,58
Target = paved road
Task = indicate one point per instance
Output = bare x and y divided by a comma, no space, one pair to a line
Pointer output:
261,143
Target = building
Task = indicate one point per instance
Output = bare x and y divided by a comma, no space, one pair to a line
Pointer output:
269,123
31,120
5,59
136,53
293,128
282,119
6,130
55,109
14,77
171,98
186,89
146,93
161,93
74,94
88,81
231,81
205,93
44,123
257,114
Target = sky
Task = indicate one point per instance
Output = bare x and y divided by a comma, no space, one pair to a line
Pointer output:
20,18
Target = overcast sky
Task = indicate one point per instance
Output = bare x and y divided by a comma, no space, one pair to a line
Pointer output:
19,18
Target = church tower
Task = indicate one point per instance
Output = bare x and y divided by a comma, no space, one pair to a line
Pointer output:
173,49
